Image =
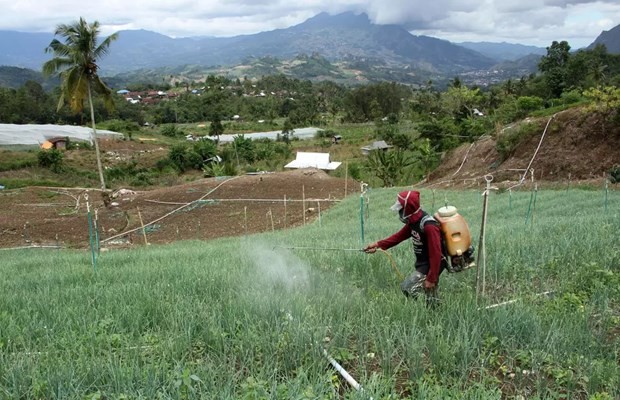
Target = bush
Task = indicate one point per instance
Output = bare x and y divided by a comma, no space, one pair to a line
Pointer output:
325,133
52,159
183,157
205,149
614,174
508,141
171,130
527,104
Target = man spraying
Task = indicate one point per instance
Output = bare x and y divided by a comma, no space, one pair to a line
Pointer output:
428,246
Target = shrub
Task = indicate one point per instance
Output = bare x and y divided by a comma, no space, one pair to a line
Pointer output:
171,130
205,149
184,158
325,133
508,141
527,104
614,174
52,159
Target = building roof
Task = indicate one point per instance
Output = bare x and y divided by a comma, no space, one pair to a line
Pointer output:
313,160
378,145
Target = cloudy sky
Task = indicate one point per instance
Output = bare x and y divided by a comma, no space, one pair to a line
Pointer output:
534,22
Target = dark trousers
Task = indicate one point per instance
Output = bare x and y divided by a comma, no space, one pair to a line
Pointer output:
413,285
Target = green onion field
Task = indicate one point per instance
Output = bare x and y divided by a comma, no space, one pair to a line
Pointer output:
242,318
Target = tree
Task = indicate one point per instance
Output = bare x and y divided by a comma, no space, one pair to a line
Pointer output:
287,131
216,128
389,166
75,61
554,67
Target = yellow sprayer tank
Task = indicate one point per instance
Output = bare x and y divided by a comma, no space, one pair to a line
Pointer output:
454,229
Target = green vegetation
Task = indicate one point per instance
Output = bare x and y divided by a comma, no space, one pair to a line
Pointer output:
51,159
508,140
75,62
14,160
238,319
422,122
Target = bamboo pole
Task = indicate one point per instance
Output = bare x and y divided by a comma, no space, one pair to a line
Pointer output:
93,256
285,215
146,242
481,245
303,197
271,216
245,219
346,177
606,194
97,245
534,205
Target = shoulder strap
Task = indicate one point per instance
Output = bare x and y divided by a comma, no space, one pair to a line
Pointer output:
425,219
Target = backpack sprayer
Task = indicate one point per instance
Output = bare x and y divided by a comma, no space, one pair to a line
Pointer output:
456,239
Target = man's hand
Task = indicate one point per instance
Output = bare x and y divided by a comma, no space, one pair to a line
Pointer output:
429,285
371,248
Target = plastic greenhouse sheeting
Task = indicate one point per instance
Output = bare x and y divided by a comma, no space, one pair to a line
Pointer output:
11,134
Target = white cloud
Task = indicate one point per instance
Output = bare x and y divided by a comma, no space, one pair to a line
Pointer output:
536,22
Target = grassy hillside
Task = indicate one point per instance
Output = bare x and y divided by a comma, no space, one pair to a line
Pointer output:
238,319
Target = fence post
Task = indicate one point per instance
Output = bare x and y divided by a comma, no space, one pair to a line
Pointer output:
303,203
606,194
364,186
146,242
93,256
482,245
285,217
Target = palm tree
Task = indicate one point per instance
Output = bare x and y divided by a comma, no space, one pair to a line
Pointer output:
75,61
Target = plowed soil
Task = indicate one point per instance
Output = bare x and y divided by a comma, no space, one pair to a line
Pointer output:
217,208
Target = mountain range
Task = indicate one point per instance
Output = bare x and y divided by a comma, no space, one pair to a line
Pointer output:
349,41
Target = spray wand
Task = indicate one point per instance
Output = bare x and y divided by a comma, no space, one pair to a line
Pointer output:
316,248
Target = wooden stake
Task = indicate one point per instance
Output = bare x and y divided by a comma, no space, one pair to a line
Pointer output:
143,229
285,217
271,216
346,177
245,219
303,203
318,203
481,245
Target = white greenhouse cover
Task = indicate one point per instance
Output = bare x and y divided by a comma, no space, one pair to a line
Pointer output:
37,134
313,160
300,133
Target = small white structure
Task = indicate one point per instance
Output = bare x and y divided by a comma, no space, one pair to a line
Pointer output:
313,160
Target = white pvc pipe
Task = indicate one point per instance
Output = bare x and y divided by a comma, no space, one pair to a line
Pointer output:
511,301
342,371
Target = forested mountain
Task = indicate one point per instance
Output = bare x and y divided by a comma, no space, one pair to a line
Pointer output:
611,40
336,37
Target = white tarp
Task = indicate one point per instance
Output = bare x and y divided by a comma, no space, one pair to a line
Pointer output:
313,160
37,134
300,133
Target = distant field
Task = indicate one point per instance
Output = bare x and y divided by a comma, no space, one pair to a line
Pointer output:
238,319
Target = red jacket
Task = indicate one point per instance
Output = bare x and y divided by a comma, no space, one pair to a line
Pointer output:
410,203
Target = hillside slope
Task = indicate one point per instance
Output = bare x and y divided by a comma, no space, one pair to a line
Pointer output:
577,144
